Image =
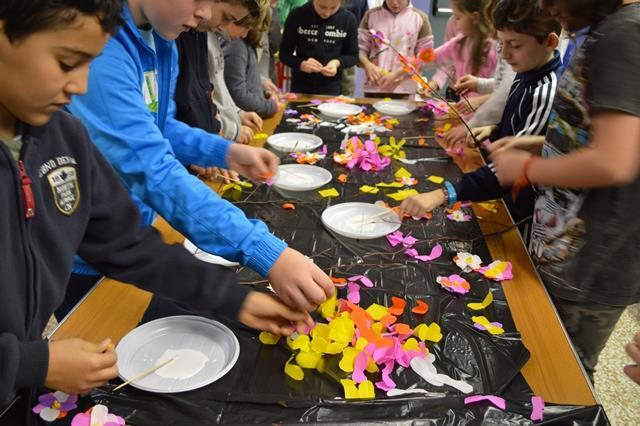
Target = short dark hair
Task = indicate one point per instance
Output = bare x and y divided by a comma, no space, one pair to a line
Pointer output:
22,18
524,17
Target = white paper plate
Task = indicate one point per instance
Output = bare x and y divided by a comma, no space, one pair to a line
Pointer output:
347,219
192,339
394,107
207,257
291,141
339,110
301,177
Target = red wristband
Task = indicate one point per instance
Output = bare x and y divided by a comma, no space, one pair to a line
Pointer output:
523,181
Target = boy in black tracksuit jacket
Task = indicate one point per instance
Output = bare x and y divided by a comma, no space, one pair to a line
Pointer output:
59,197
320,38
527,34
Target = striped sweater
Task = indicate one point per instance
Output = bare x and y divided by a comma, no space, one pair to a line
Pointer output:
526,113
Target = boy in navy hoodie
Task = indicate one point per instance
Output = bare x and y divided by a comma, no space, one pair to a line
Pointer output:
130,115
59,197
529,40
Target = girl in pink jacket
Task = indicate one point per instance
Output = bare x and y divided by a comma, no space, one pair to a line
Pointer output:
408,30
472,51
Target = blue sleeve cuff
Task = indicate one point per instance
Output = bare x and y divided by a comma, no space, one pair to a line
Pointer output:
266,253
453,195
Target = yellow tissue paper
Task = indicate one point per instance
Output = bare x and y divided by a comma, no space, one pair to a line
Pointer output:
267,338
402,195
329,193
293,371
328,307
348,359
377,311
389,185
431,332
479,306
319,344
301,342
435,179
369,189
402,173
308,359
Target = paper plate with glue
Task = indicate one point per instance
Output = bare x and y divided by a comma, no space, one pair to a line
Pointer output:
339,110
292,141
362,221
197,351
207,257
301,177
394,107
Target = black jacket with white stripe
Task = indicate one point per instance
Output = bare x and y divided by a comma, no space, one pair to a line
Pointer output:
526,113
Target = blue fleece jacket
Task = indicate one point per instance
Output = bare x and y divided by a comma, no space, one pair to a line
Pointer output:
130,114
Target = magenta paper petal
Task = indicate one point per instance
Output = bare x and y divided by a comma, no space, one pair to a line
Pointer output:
68,406
495,400
480,326
394,238
81,419
537,411
436,252
497,324
38,408
370,348
353,294
362,359
315,101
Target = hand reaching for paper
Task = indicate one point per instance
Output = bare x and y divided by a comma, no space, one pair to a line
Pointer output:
421,204
310,66
265,312
257,164
331,69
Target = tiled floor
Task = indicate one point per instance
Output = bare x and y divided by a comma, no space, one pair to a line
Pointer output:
619,395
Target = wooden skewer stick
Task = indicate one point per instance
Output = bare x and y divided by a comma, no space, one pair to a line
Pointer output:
228,178
370,219
417,137
145,374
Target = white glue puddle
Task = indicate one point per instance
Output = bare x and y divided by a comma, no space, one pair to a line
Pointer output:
187,363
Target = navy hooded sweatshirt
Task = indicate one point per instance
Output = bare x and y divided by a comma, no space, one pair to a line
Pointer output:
81,206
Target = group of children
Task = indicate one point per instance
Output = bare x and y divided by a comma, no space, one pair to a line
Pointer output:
82,186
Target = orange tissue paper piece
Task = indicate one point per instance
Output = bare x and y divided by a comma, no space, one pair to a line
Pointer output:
403,328
398,306
342,178
421,307
289,206
387,320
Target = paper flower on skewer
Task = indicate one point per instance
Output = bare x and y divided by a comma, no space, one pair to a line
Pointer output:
98,415
454,284
378,37
55,405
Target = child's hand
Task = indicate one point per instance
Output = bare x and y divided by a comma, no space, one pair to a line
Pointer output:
389,81
266,312
331,68
422,91
253,163
509,165
77,366
467,83
480,134
211,173
374,72
299,282
456,134
245,135
419,205
633,350
270,88
310,66
251,119
530,143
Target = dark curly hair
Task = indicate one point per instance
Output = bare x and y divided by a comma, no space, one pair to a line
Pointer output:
525,17
22,18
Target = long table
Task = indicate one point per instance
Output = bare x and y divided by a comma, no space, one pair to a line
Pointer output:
112,308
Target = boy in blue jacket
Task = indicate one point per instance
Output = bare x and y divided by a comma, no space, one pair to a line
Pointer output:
60,197
529,40
130,115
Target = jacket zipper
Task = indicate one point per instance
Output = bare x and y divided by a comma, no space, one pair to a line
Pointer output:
27,193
